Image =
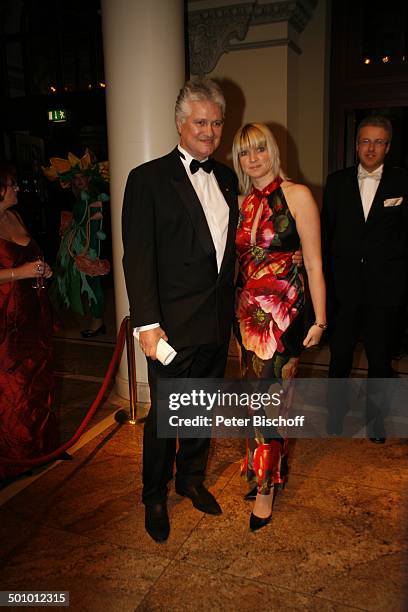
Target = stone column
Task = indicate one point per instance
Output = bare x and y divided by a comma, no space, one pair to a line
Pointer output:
144,71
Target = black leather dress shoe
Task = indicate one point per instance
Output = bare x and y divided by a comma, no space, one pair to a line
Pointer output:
377,440
157,521
201,497
91,333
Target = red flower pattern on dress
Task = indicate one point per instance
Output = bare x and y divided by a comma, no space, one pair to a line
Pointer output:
279,298
255,255
249,211
256,326
265,309
265,232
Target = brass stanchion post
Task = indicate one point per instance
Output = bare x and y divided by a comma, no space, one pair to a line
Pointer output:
122,416
131,364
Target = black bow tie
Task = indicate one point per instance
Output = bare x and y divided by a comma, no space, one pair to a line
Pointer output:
207,165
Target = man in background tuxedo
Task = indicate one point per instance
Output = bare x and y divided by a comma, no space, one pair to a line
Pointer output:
179,220
365,240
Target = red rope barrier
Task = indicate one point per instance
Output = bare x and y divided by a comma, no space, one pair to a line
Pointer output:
93,408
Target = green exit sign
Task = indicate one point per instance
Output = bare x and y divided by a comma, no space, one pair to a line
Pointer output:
58,115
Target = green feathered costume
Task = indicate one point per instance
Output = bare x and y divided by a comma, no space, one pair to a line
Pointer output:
78,265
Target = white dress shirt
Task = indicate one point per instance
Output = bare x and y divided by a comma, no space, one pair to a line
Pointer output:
215,208
368,183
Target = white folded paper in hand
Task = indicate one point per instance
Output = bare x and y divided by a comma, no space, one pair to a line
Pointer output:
165,353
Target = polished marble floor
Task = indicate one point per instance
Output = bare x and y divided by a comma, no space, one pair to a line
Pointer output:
337,541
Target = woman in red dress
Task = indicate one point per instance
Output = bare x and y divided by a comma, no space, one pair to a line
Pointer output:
27,424
276,217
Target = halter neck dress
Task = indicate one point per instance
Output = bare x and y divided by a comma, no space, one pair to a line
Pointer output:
270,300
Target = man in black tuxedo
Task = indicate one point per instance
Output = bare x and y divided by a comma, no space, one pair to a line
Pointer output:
365,240
179,220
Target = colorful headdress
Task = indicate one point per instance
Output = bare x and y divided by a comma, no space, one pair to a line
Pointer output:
64,170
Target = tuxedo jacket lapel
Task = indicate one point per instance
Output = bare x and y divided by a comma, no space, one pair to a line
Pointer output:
192,204
356,204
231,200
377,204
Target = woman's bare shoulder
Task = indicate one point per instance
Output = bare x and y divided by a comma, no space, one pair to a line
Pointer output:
296,190
298,197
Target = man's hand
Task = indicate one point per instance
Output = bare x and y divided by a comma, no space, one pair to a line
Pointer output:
148,341
297,258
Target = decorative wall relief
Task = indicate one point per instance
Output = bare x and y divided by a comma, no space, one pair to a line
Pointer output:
212,30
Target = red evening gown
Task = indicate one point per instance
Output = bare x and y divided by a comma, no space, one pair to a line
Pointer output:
27,423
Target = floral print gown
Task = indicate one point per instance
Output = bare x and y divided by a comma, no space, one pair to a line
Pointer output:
269,300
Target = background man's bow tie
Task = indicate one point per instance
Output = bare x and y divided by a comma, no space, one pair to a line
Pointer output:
207,165
376,175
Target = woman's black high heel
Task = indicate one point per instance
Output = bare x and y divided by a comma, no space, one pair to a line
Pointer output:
255,522
91,333
266,461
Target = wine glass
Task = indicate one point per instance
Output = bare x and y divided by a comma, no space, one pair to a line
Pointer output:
38,281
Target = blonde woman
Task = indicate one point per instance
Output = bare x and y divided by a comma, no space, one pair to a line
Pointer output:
277,216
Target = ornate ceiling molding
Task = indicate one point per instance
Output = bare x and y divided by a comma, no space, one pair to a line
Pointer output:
211,30
297,13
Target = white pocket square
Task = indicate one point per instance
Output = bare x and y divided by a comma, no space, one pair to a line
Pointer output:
393,202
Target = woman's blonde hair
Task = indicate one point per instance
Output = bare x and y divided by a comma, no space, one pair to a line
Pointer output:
250,136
